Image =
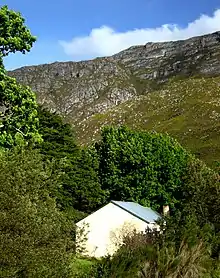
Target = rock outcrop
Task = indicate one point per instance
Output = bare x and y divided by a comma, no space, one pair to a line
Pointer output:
78,90
159,61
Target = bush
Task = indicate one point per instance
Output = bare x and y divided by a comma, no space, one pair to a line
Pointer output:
35,237
83,267
147,256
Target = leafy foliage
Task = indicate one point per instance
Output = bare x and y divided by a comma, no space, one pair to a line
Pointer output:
19,117
15,36
83,267
201,199
80,189
141,166
58,137
189,245
202,193
18,107
82,182
35,236
148,255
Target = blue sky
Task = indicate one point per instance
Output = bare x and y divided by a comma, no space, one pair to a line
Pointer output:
76,30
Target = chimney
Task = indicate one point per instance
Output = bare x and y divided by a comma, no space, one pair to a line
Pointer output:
166,210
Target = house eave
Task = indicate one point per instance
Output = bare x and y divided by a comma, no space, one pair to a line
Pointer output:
116,204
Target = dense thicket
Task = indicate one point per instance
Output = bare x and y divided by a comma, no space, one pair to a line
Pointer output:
141,166
190,243
80,188
35,237
152,255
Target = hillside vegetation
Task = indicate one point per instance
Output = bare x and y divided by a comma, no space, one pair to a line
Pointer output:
187,109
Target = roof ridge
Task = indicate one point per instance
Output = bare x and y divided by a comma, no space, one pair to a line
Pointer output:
133,212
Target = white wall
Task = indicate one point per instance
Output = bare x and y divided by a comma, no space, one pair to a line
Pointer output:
104,226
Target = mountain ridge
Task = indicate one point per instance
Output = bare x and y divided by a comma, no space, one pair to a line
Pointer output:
90,94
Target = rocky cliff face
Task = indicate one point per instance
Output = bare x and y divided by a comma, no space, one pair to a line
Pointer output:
101,91
84,88
159,61
78,90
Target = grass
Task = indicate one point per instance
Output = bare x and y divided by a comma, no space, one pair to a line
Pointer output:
82,267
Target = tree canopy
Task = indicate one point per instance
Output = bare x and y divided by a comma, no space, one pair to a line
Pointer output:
141,166
18,113
81,184
14,35
18,106
58,137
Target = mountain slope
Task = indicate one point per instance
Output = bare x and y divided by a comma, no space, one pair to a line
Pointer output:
170,87
189,110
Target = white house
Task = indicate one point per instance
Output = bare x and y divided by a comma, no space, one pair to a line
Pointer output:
101,232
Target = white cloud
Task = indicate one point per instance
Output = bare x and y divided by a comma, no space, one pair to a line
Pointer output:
106,41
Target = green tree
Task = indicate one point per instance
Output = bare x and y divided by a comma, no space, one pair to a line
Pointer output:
81,188
201,198
141,166
58,145
14,35
35,236
58,137
81,183
201,192
18,113
18,107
